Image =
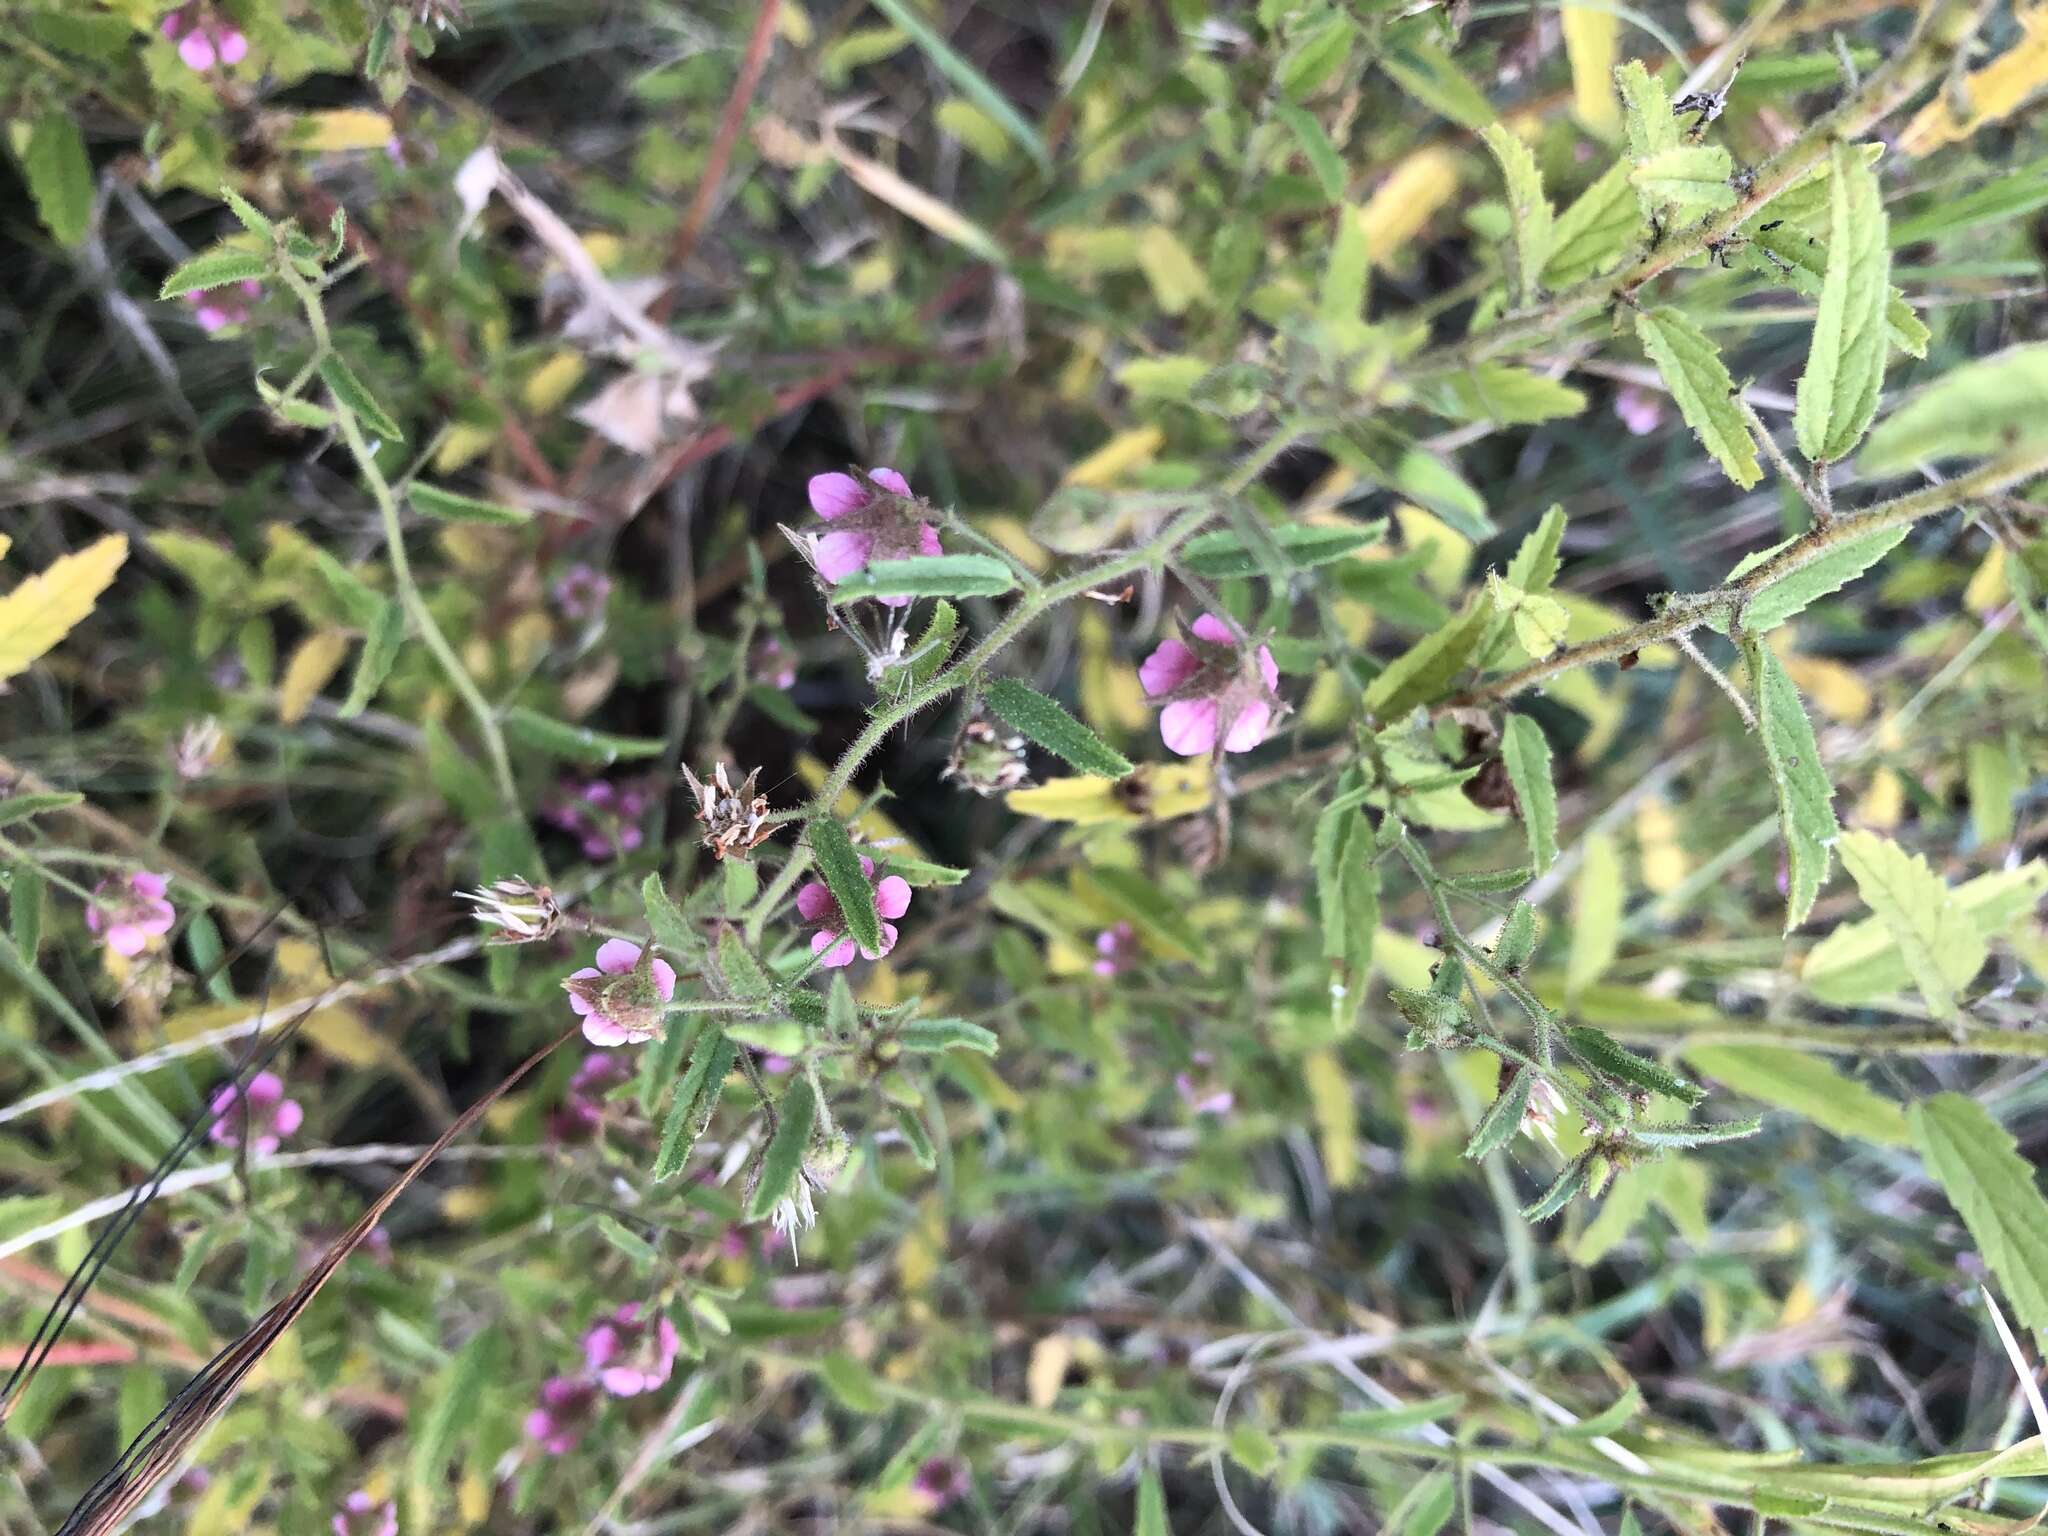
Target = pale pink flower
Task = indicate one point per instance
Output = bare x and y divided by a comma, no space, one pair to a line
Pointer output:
129,913
1640,410
1203,1098
262,1116
215,309
203,40
581,591
567,1405
1116,950
878,519
619,1001
580,1115
360,1515
1209,691
631,1355
815,904
774,664
602,816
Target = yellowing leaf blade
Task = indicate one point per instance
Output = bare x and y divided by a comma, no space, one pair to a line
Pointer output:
46,607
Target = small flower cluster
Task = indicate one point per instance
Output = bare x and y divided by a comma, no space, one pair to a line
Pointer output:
602,816
626,1354
361,1515
581,592
521,912
259,1117
127,914
735,820
816,904
874,517
204,40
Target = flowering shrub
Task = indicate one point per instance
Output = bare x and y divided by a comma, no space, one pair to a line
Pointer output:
1394,878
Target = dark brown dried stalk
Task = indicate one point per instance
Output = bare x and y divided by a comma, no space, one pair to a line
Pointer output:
164,1441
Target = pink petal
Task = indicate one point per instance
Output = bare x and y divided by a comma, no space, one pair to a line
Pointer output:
173,24
664,980
626,1381
840,554
1188,726
892,896
599,1030
599,1345
145,883
928,540
814,901
1167,668
157,919
126,940
288,1119
867,867
615,957
263,1146
888,942
577,1005
196,49
833,951
1269,669
233,46
889,480
1248,729
1214,630
265,1089
836,495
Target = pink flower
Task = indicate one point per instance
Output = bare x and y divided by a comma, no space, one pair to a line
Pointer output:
218,308
1202,1099
262,1117
359,1515
203,41
567,1405
603,817
815,904
631,1356
876,518
1210,691
940,1481
619,999
129,913
1640,410
774,664
1115,950
580,1115
580,592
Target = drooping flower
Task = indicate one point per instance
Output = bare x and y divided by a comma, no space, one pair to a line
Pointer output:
567,1405
203,40
1116,950
200,748
816,904
262,1117
619,999
218,308
581,591
1211,689
604,817
360,1515
874,517
129,913
521,912
940,1481
630,1354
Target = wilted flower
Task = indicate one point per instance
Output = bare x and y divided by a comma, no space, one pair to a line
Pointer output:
580,592
1210,691
360,1515
629,1355
567,1405
940,1481
261,1117
1539,1116
521,912
619,999
875,517
815,903
442,15
604,817
735,820
218,308
987,761
129,913
1640,410
204,41
198,750
1116,949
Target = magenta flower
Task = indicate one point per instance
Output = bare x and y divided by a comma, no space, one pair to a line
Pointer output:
1203,1099
619,999
202,40
774,664
129,913
359,1515
580,592
876,518
1210,691
262,1117
629,1355
1116,950
580,1115
940,1481
602,816
815,904
218,308
567,1405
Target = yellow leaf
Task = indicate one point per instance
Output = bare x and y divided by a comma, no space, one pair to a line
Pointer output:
876,179
49,605
1117,457
1989,587
5,544
1083,365
343,128
1996,91
466,1203
1111,698
1011,533
1403,960
313,665
794,23
1664,861
553,382
1591,39
463,445
1329,1093
922,1249
1154,791
1445,569
1177,279
1090,250
1591,619
1596,913
1050,1357
1836,691
963,120
1410,196
1883,805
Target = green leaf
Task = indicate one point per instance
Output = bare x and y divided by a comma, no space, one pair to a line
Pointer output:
696,1096
1833,571
215,269
1845,367
1698,380
1340,305
574,743
1942,948
1861,961
1224,552
452,1411
928,1037
916,1137
1806,811
1594,230
742,972
1525,753
1163,923
1515,946
1535,565
20,807
665,919
851,1383
1992,1187
1316,145
380,652
1568,1183
928,576
1596,914
1685,179
840,866
1613,1417
1604,1054
1151,1504
1996,405
1426,72
972,82
25,902
1803,1085
246,214
1783,253
1529,211
1501,392
1994,780
1426,671
1503,1117
350,395
432,501
59,175
782,1163
1676,1134
1042,720
1646,111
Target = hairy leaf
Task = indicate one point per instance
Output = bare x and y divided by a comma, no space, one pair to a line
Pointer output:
1995,405
840,866
1806,811
1692,368
782,1163
1942,948
1042,720
1525,753
214,269
1803,1085
1529,210
1845,367
928,576
1992,1187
